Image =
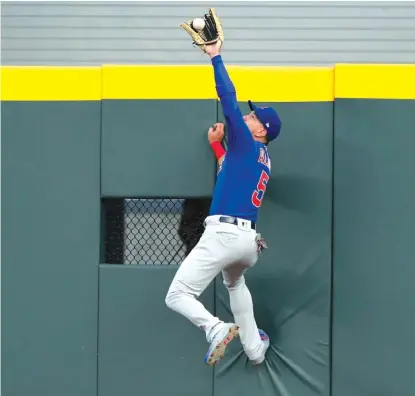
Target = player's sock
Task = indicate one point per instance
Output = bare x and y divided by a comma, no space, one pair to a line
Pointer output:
265,345
214,330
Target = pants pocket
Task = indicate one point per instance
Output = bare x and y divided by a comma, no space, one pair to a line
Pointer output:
227,238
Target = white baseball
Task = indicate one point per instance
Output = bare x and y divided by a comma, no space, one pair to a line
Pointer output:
198,23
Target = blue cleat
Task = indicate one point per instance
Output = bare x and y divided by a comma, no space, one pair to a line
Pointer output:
219,343
265,342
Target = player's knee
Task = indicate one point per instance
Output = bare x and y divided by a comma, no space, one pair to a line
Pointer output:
170,299
173,298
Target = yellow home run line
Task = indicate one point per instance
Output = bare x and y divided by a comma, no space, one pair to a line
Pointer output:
38,83
259,83
375,81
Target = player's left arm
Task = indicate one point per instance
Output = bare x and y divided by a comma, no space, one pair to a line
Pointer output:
239,136
238,131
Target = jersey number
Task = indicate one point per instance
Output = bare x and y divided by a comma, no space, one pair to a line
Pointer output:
258,194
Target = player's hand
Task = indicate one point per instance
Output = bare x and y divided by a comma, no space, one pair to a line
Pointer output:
214,49
216,133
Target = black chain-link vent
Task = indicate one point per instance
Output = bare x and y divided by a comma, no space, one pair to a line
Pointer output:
152,231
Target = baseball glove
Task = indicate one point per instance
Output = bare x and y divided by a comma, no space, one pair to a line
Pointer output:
210,34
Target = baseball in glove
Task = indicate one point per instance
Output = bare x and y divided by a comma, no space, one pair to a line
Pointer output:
210,33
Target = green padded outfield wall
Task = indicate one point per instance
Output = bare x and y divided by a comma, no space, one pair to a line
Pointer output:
76,326
374,233
50,123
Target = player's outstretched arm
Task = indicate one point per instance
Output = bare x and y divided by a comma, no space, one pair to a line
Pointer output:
224,85
227,95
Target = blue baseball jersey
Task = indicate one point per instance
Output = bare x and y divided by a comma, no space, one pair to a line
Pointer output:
244,173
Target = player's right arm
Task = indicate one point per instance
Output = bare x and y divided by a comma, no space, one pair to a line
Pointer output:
215,137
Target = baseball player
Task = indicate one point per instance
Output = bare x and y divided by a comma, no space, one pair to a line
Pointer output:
230,243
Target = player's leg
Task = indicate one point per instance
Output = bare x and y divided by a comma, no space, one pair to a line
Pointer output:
197,271
254,341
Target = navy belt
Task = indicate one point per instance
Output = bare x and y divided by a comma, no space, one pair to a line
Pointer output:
234,221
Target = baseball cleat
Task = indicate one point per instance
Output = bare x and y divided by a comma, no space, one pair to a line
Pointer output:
265,343
219,343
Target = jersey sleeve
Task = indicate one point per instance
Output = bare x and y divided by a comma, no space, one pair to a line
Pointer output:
239,136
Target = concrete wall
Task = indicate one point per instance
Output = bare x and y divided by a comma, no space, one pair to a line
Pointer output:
270,33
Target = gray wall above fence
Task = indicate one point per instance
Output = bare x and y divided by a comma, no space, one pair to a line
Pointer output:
256,33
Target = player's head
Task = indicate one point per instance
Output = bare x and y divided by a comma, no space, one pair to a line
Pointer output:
263,122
